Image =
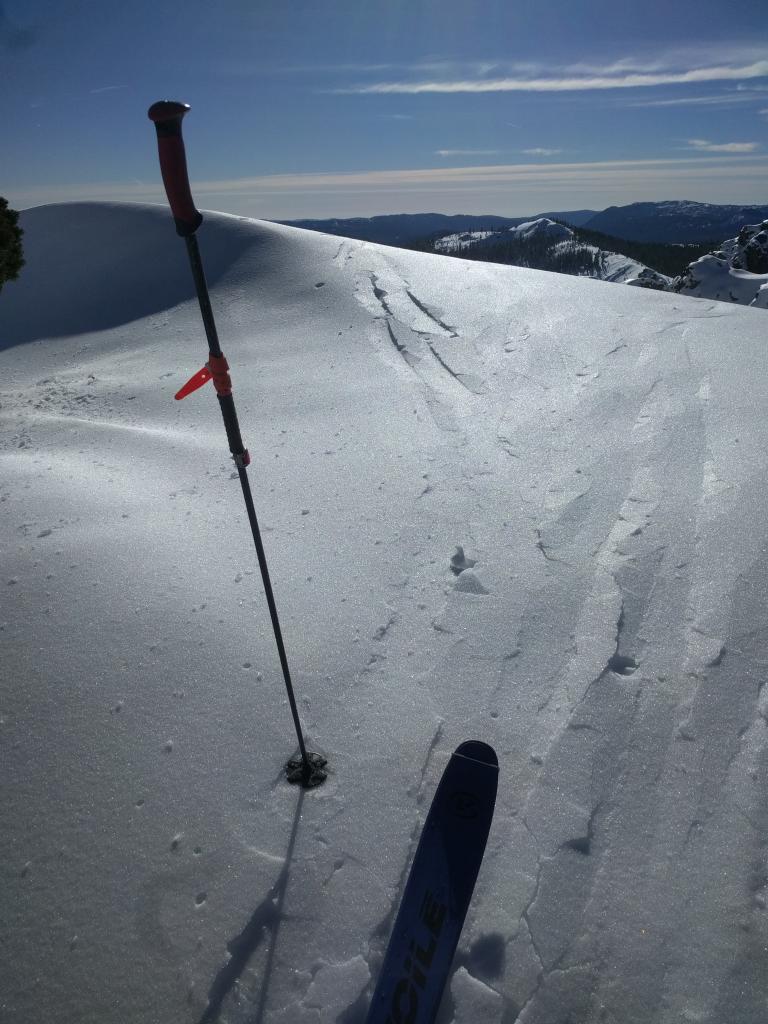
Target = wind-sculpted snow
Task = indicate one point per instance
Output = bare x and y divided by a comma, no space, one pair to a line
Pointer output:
497,504
94,266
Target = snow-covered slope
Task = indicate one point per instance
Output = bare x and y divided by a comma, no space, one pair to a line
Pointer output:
543,227
611,266
737,272
615,267
599,453
460,240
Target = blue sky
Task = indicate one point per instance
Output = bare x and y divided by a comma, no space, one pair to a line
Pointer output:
321,108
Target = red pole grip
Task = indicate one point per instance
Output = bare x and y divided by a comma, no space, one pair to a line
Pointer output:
167,116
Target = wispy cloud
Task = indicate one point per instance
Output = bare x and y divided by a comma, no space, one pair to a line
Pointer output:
559,177
107,88
726,99
573,79
467,152
541,151
705,146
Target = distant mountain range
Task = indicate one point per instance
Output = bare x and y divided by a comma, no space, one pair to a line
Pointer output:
675,221
403,229
669,221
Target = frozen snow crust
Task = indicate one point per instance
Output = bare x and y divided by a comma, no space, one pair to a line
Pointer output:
497,504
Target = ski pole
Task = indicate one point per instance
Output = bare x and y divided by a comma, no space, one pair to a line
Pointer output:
308,768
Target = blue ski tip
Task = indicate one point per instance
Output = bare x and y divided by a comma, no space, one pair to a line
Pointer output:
478,751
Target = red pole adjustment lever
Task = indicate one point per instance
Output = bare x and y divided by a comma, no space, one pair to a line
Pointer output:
217,370
194,382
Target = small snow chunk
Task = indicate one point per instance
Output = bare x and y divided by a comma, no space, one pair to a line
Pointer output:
474,1001
460,562
45,533
718,658
176,841
201,898
168,746
335,987
468,583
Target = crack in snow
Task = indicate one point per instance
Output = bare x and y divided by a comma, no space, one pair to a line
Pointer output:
424,309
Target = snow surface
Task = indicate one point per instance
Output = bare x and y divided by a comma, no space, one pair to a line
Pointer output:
599,455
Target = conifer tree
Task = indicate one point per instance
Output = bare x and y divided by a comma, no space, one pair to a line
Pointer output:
11,252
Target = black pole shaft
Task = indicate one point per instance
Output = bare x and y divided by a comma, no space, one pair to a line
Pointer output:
203,297
260,554
238,450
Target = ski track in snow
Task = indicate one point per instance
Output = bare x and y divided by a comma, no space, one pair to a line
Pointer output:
603,628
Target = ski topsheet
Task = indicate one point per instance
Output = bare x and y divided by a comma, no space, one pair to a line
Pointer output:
438,891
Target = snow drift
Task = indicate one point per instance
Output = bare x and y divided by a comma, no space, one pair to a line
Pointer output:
497,503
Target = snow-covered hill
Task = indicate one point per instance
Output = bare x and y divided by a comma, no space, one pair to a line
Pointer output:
558,239
543,227
736,272
600,455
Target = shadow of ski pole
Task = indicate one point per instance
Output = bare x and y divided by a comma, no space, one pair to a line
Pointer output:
264,925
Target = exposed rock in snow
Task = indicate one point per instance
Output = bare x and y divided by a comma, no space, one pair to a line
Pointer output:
736,272
648,278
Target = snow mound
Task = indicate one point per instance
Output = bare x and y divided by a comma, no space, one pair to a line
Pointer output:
497,504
